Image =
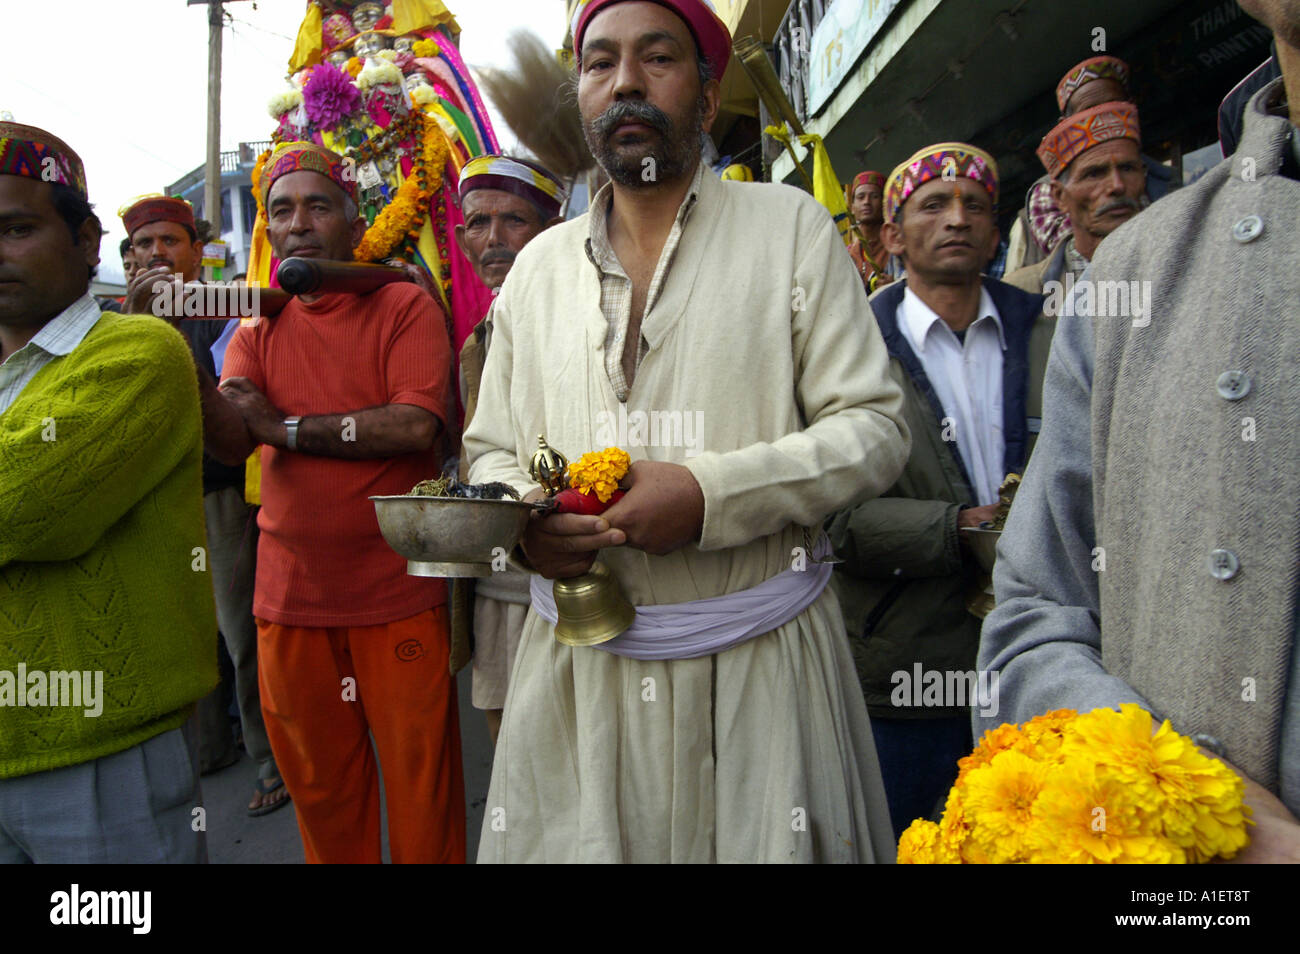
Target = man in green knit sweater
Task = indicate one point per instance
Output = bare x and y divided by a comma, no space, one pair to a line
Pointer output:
107,625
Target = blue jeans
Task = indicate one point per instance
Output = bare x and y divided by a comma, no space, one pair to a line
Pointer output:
918,761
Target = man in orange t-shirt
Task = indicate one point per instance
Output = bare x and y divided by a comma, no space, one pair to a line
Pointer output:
341,391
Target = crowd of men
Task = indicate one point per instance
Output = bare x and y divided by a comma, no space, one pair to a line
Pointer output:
860,426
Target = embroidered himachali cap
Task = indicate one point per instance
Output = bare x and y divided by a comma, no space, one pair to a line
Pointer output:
148,209
1076,134
869,177
1098,67
306,157
33,153
711,34
932,162
519,177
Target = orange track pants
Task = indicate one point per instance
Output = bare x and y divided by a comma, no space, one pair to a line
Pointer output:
324,692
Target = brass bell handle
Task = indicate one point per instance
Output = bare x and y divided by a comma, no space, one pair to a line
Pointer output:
548,467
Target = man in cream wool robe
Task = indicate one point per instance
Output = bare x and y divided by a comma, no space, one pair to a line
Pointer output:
727,725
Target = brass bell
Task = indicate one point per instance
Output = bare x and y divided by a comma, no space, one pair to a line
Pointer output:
591,608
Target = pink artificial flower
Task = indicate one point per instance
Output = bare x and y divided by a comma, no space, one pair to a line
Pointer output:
329,96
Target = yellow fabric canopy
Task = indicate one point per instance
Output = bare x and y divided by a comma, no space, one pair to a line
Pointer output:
307,48
409,15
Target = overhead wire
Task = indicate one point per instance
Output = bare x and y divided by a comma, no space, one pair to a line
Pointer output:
96,119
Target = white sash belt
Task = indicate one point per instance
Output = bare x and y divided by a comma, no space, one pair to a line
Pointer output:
704,627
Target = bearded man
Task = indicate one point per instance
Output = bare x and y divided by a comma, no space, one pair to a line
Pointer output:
731,727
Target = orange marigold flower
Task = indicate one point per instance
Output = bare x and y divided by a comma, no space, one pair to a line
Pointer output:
1083,816
1120,742
920,844
1000,797
599,472
258,166
1003,738
1205,813
954,827
1197,799
1043,735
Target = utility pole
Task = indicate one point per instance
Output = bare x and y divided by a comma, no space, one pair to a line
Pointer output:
212,172
212,175
212,165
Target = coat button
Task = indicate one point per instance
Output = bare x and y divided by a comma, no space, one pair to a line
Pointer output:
1248,228
1223,564
1233,385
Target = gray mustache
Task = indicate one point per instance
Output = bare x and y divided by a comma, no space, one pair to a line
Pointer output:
503,255
635,109
1125,203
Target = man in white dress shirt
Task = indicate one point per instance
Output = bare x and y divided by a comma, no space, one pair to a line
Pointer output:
958,347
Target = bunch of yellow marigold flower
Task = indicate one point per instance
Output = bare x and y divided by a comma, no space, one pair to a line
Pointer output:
1098,788
598,472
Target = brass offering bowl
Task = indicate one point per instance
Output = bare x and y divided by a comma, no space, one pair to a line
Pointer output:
451,536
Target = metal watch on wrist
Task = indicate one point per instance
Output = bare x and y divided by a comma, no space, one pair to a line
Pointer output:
291,432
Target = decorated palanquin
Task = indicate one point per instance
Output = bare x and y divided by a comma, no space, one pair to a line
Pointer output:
386,87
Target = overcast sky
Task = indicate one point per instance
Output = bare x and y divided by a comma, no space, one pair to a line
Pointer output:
131,97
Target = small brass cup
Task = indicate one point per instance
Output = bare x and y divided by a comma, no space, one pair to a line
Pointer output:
591,608
983,541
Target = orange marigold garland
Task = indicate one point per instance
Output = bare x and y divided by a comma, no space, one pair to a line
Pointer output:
400,221
410,206
257,181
